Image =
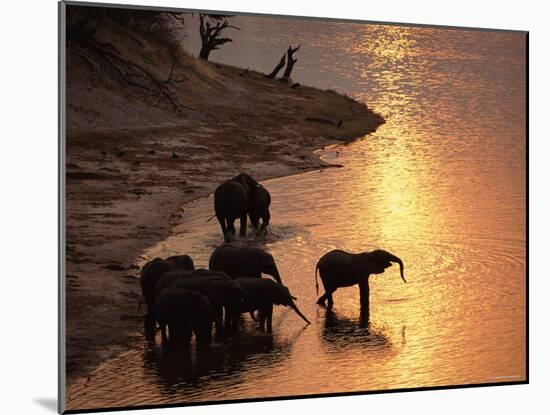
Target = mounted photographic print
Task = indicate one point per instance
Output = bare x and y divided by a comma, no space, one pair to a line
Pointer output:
259,207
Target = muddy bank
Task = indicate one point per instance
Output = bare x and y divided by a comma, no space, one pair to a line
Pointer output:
133,162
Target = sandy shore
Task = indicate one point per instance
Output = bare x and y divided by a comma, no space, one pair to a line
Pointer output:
132,165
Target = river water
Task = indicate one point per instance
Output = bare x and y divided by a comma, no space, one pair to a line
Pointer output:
441,185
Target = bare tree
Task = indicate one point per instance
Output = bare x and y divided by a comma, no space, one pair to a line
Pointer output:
276,70
290,61
211,28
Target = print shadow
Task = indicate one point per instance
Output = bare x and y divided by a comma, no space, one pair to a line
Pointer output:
49,403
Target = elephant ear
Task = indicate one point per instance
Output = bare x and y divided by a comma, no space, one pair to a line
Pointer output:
377,261
280,295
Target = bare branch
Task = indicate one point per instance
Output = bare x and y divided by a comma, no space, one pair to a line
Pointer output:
290,61
210,33
277,68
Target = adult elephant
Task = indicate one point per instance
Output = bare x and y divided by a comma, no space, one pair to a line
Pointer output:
231,202
263,293
221,291
150,275
338,269
243,261
183,312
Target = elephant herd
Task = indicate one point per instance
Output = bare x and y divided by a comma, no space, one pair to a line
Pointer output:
185,301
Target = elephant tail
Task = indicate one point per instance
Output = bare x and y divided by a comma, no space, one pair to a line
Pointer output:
316,280
140,301
211,217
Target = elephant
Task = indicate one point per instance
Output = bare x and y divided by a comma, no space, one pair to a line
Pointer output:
258,208
263,293
338,268
184,312
243,261
231,203
259,200
150,275
221,291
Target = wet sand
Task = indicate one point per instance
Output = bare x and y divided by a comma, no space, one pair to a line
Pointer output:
132,166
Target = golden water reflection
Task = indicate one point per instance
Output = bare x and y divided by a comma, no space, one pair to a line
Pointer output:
441,185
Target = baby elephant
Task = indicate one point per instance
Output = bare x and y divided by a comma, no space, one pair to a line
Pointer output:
262,295
183,312
258,208
259,200
242,261
338,269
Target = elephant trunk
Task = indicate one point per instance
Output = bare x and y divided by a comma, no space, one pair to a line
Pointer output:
393,258
277,276
297,310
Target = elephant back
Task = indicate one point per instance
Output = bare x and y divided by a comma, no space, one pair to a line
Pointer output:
337,261
181,262
154,270
230,199
216,286
238,261
167,280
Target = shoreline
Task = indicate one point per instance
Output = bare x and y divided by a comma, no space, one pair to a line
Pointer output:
122,268
132,166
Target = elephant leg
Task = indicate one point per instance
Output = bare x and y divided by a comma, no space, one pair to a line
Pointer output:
230,230
163,334
235,317
218,318
322,299
242,230
265,221
330,300
203,332
186,337
171,338
269,317
254,220
149,325
222,225
364,294
327,296
231,318
261,319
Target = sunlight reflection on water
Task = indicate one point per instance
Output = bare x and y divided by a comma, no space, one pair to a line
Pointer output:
441,185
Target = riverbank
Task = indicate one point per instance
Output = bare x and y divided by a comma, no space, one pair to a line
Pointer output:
132,164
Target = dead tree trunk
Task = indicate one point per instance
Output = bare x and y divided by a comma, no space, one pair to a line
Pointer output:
279,66
210,33
290,62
